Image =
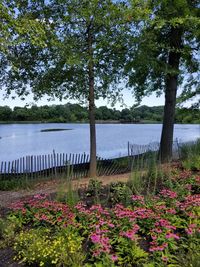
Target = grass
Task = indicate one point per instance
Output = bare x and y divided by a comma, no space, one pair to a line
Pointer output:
190,155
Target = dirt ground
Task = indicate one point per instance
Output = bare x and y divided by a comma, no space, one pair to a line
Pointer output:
49,187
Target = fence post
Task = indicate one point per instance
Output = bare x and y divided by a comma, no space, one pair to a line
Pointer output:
129,156
54,157
179,156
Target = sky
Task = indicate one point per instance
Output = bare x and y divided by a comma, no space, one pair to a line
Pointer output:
127,97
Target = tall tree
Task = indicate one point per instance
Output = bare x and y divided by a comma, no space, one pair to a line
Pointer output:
82,56
166,56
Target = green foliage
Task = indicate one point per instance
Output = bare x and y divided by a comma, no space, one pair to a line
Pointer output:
120,193
193,163
63,52
188,254
146,174
155,42
77,113
67,192
190,154
136,181
64,248
94,187
188,115
8,229
189,149
106,262
130,254
15,183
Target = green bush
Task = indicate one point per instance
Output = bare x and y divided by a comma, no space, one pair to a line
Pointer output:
94,187
15,183
120,193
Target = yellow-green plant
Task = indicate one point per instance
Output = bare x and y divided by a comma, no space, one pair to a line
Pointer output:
40,246
8,228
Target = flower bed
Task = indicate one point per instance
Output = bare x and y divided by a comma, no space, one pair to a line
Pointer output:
153,230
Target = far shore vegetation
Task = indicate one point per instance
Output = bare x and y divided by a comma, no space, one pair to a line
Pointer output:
76,113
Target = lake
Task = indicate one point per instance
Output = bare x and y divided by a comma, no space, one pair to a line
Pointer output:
18,140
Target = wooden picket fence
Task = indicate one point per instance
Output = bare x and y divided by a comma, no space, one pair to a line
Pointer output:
74,165
55,164
135,150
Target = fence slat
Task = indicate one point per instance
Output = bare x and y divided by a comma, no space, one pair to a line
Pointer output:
45,164
2,167
52,165
9,167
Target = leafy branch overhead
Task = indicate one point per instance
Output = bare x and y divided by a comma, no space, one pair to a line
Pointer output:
158,39
51,54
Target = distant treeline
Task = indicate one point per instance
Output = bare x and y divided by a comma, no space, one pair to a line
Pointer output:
76,113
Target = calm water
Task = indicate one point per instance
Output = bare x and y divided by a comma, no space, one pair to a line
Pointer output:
19,140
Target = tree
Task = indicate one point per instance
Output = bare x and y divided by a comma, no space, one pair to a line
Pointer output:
166,56
81,56
15,27
5,113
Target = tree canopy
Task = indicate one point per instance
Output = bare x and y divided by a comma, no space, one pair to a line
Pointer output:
148,62
165,57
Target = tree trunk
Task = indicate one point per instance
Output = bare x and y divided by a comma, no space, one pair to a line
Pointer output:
93,160
166,143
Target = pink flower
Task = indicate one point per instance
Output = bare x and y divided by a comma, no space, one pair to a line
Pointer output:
191,228
164,258
40,196
95,238
158,248
138,198
111,225
171,235
188,187
171,211
190,201
59,219
96,253
197,179
166,193
114,258
131,233
189,231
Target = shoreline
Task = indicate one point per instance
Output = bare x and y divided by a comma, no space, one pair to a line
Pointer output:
87,122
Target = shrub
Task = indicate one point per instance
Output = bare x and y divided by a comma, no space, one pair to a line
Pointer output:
40,246
94,187
120,193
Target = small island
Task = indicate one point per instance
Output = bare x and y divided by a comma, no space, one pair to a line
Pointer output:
54,130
